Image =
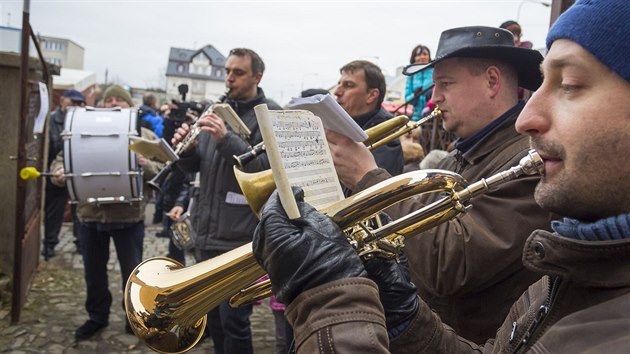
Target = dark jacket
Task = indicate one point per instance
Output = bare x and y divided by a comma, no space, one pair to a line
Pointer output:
55,127
388,157
221,217
55,142
580,305
469,269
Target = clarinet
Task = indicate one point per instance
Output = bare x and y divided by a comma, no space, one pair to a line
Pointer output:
195,129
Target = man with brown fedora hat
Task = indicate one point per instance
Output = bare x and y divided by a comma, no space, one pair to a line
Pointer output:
472,263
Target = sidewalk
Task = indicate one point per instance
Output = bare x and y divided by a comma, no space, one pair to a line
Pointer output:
55,308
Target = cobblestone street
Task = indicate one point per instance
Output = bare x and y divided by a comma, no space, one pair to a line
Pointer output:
55,308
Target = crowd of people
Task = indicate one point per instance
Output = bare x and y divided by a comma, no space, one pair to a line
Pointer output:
539,264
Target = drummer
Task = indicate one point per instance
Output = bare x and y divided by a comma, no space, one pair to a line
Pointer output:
122,222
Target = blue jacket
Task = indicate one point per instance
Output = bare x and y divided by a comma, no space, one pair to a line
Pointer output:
154,121
418,82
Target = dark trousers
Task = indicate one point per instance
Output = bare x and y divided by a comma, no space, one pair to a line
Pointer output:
229,327
54,207
95,238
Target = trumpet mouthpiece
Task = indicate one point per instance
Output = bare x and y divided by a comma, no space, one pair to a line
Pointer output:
28,173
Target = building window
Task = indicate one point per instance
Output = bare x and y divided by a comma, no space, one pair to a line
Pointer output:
201,65
180,68
56,46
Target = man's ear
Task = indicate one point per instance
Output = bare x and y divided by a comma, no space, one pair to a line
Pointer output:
258,76
493,79
373,95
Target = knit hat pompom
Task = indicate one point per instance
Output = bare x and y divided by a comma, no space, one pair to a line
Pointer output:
118,91
601,27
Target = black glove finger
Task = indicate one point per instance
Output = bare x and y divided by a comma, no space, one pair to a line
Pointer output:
302,253
396,291
274,205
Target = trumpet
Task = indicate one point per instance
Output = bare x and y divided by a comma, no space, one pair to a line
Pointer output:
378,135
166,304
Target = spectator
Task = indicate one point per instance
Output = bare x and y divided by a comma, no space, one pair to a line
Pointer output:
417,90
515,28
57,197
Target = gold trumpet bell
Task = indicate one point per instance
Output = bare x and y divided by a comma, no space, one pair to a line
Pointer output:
167,304
256,187
146,314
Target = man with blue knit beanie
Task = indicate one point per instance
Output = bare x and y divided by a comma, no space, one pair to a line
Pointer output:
579,122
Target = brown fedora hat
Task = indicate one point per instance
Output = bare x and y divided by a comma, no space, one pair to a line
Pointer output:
487,42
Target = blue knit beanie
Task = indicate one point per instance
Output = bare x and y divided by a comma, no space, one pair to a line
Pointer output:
602,28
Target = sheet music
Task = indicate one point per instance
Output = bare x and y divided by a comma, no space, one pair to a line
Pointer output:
332,115
227,113
306,157
152,149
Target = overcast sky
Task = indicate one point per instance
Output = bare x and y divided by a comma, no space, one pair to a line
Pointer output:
303,43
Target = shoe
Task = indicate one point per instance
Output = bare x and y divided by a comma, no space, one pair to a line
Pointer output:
48,252
88,329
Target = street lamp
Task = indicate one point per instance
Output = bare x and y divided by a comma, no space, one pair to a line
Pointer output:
540,2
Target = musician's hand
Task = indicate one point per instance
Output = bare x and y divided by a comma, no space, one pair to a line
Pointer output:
180,134
58,177
165,111
175,213
142,161
352,160
214,125
398,294
303,253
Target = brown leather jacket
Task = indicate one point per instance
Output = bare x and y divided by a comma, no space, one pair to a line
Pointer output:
469,269
581,305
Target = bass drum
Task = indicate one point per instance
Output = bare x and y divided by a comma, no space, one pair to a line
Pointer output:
98,164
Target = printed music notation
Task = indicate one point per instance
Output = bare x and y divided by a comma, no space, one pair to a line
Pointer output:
306,157
299,156
332,115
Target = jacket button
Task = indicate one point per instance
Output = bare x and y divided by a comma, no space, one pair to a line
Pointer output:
539,249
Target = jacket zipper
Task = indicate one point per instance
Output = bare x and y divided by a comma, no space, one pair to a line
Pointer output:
541,314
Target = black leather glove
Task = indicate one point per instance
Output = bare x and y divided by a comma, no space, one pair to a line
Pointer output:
398,294
303,253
